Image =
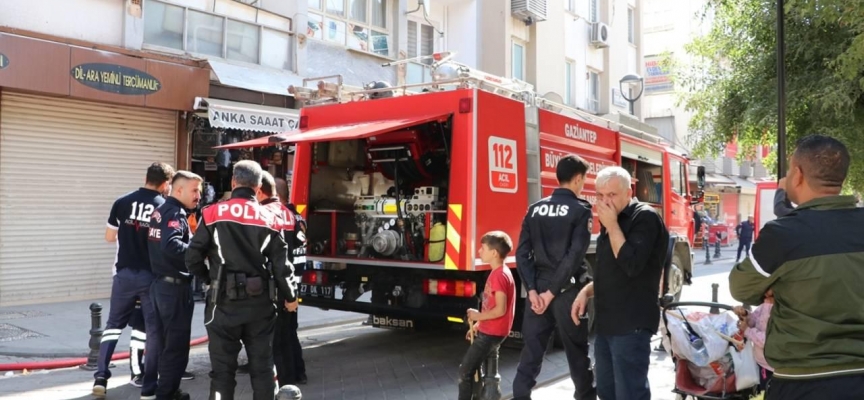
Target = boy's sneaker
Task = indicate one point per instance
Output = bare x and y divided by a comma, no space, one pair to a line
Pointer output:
148,396
137,380
100,387
187,376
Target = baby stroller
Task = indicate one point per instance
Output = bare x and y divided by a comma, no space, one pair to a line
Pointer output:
708,365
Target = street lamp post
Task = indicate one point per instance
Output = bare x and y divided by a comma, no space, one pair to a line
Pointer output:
631,79
781,93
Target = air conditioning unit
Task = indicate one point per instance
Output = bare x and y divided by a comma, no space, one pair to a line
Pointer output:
529,11
599,35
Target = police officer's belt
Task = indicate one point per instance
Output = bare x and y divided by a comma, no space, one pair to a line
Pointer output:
176,281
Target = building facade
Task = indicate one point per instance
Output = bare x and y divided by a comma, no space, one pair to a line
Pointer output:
670,25
573,52
81,118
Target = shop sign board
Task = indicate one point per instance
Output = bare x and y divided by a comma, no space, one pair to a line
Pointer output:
116,79
231,115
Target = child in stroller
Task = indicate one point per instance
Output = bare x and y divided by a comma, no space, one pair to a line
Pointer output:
753,325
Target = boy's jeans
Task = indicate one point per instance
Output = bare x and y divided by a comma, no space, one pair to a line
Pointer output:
484,347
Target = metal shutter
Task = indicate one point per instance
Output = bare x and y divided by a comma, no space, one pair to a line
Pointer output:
62,164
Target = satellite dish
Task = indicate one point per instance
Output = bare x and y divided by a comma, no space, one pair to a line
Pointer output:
553,97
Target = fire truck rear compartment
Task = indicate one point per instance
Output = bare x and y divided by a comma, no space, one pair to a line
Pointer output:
357,211
368,234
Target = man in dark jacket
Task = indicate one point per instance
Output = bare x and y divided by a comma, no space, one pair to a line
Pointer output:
248,260
813,260
550,256
171,292
631,253
744,231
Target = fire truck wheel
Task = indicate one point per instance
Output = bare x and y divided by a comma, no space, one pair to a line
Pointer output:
675,282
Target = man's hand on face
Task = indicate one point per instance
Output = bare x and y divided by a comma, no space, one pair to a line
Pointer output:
781,184
607,214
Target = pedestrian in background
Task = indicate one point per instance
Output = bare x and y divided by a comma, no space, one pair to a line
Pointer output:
550,260
248,260
494,322
171,292
813,262
128,225
631,253
744,231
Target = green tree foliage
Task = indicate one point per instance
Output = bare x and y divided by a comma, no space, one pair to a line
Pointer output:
730,84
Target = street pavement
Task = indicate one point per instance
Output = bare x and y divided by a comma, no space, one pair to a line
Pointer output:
62,330
661,373
345,359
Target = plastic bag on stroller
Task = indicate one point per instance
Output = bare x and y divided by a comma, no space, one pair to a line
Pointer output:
706,363
695,338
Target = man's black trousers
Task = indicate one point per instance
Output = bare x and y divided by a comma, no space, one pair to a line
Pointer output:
847,387
287,352
743,245
536,331
230,326
175,307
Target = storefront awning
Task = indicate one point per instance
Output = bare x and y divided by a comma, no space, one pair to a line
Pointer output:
714,179
259,79
249,117
746,186
360,130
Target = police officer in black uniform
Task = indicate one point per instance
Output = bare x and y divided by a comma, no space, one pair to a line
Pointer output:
248,261
171,292
550,256
128,225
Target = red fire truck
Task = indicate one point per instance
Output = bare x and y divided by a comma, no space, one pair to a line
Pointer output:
397,188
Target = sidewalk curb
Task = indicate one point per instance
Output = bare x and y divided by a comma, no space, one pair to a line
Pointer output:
85,353
714,260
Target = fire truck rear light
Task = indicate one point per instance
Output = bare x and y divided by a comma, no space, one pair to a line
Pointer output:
465,105
315,278
304,122
448,287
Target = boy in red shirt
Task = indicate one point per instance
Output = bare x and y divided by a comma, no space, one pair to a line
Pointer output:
493,324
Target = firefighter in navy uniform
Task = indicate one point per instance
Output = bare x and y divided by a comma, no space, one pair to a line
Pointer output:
128,225
248,261
550,256
171,292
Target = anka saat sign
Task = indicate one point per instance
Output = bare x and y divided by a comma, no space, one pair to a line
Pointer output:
251,120
116,79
